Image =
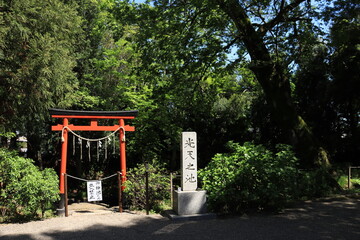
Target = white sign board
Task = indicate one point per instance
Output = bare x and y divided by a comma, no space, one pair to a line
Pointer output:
94,191
188,161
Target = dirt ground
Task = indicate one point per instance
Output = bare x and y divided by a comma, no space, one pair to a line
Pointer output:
333,218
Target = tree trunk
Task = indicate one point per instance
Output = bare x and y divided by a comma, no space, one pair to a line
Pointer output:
275,84
34,148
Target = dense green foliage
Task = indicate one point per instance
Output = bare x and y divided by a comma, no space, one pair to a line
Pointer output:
159,186
184,67
253,177
37,57
250,176
25,189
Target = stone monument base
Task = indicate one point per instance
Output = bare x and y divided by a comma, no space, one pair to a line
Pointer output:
189,202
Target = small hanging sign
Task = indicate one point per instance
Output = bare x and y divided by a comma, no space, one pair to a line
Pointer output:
94,191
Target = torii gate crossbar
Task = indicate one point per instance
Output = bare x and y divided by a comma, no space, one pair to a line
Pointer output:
94,116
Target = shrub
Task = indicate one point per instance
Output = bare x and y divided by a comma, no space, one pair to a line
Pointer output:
315,183
251,176
159,186
24,188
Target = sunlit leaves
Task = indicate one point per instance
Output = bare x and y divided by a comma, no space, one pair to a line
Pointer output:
250,176
37,57
24,188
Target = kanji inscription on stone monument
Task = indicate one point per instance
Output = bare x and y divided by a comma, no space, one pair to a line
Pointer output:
188,161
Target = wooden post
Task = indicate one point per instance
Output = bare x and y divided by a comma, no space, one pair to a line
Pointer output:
122,151
119,192
171,189
147,188
349,178
66,196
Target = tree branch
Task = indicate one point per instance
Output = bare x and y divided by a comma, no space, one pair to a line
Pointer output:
231,43
245,30
280,17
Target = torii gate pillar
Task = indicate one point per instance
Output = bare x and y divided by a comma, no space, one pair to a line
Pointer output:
93,116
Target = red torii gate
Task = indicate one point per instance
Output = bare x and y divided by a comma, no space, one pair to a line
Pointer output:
94,116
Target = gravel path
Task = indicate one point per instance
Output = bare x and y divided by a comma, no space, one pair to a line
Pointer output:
335,218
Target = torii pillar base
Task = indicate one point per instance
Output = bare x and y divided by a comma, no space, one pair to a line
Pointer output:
61,210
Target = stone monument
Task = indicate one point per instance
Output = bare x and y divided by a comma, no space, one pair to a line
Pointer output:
189,200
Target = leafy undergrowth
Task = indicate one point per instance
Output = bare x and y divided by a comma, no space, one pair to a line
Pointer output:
26,192
254,177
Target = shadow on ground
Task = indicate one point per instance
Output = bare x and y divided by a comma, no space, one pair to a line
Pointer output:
326,219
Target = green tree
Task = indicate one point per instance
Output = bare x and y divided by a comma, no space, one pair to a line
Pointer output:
269,66
344,65
312,92
37,58
203,33
191,86
326,82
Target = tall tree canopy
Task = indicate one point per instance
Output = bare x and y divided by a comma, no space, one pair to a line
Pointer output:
37,58
262,40
230,70
265,35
